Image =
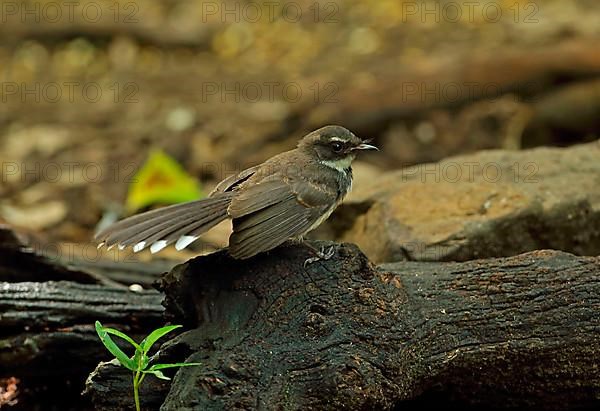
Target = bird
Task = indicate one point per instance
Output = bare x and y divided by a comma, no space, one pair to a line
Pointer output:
281,199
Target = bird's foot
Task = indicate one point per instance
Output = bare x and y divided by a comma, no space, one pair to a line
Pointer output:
324,253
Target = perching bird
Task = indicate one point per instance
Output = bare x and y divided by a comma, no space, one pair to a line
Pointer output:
283,198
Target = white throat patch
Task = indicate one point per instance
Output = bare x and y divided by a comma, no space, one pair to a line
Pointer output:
340,165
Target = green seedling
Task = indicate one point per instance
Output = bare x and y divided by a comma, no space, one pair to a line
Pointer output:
139,362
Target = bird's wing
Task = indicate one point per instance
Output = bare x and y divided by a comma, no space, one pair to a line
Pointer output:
268,213
233,181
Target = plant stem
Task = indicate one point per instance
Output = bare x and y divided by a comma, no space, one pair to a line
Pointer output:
136,395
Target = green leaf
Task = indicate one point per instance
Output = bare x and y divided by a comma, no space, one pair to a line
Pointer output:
155,369
141,360
156,335
158,374
178,364
161,180
114,349
123,336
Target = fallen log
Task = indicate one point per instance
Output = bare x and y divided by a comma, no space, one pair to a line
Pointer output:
47,335
19,263
48,328
517,332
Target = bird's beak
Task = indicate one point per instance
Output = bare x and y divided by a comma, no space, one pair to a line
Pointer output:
365,146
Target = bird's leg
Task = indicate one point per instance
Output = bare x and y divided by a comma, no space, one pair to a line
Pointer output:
324,253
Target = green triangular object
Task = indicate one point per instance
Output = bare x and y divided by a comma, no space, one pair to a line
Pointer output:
161,180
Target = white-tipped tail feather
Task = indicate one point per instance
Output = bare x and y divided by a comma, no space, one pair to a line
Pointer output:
157,246
184,241
139,246
180,224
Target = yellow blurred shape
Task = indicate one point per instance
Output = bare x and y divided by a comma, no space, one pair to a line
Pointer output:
161,180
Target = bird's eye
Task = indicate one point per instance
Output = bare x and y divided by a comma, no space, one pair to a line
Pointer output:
337,146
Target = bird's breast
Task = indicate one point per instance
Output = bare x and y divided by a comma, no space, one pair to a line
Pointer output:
323,217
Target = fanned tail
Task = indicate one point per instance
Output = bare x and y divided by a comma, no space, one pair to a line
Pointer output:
179,223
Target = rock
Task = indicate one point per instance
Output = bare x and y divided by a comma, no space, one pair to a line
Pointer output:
489,204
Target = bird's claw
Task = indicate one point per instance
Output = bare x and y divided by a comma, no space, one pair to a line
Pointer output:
328,253
322,254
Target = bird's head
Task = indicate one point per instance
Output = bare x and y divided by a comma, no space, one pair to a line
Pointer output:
334,146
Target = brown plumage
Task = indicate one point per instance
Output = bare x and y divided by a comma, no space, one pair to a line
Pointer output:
283,198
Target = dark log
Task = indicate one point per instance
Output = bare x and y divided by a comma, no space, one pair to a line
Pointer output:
19,263
47,335
48,328
109,387
47,315
518,332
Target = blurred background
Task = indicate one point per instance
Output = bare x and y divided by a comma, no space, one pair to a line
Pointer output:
89,89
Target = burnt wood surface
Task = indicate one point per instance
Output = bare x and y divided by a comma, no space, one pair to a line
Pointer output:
48,328
47,314
48,340
517,332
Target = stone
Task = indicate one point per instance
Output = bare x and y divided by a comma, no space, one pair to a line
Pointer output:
488,204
